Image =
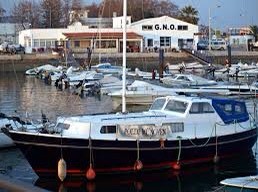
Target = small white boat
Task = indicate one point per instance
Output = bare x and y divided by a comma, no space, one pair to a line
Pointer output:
76,77
144,93
187,80
146,75
107,68
47,67
242,70
186,67
16,123
244,184
235,89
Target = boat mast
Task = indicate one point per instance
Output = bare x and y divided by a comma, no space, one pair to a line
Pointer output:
124,55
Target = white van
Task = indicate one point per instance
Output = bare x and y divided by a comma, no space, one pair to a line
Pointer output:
218,44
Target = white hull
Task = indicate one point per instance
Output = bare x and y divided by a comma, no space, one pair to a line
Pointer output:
5,141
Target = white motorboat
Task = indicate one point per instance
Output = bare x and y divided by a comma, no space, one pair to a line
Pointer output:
107,68
176,132
144,93
193,67
77,77
15,123
239,69
247,184
147,75
235,88
47,67
187,80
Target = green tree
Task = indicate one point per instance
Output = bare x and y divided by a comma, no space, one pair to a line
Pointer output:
25,13
254,29
2,11
139,9
51,13
189,14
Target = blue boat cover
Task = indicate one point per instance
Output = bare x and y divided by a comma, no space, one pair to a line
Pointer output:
230,110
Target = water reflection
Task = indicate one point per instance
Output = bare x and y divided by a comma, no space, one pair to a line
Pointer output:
20,94
205,177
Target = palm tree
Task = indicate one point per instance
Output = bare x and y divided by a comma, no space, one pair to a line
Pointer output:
254,29
189,14
2,11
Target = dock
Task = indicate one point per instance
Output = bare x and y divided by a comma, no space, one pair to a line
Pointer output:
10,184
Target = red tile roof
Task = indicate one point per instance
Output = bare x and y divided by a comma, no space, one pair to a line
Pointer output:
107,35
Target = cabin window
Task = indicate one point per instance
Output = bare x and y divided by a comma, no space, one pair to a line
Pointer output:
158,104
201,108
106,129
227,108
63,126
177,127
239,109
176,106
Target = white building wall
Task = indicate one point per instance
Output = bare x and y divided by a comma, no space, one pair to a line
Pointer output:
29,38
118,22
164,27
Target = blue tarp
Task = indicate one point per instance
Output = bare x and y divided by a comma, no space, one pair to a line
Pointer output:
230,110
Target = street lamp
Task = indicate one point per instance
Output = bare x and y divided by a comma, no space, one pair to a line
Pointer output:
218,6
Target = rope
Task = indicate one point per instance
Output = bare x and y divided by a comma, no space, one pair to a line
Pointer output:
179,149
90,148
61,149
219,189
138,149
216,153
202,145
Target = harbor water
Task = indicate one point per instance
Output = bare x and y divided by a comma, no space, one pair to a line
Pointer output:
30,97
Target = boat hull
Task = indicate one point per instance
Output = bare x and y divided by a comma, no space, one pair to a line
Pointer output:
43,152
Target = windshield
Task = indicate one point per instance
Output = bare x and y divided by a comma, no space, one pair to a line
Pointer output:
176,106
158,104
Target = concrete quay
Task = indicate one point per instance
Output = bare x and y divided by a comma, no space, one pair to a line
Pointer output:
143,61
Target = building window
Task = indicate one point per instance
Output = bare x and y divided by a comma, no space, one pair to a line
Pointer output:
147,27
76,43
182,27
105,44
165,41
29,42
150,42
42,43
36,42
108,129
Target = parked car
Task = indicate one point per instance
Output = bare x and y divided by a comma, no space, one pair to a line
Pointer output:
203,45
6,47
218,45
17,48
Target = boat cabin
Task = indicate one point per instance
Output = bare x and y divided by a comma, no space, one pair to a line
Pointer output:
168,117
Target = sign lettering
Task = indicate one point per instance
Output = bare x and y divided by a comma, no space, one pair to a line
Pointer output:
164,27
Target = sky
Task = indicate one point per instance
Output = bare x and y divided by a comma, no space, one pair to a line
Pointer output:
231,13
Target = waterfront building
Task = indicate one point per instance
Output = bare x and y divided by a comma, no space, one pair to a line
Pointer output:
9,29
241,37
165,32
145,35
